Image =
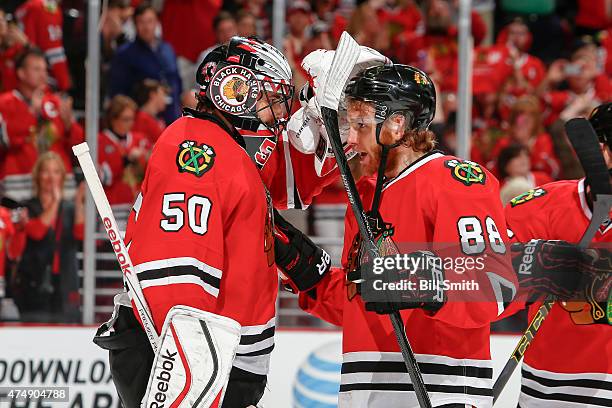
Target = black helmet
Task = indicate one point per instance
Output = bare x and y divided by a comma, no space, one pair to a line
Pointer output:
601,119
232,77
396,88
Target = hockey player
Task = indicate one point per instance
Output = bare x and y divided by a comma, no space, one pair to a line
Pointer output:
569,362
200,236
427,199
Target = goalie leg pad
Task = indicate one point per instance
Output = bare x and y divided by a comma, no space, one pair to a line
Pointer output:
194,360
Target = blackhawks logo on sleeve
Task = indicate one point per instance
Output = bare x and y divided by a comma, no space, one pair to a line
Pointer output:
527,196
467,172
195,159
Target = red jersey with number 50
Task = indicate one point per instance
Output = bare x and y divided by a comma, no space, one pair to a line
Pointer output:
569,362
200,235
436,201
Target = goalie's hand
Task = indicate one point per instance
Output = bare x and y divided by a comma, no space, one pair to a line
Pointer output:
386,290
547,267
302,263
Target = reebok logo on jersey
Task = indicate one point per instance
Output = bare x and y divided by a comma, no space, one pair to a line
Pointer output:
527,196
163,378
467,172
195,159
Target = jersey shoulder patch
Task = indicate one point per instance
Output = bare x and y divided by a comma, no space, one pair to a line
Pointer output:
466,172
195,159
527,196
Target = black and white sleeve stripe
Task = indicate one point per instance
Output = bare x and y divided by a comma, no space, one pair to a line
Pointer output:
256,344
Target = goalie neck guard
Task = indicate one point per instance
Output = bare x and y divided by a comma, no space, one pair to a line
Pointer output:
244,78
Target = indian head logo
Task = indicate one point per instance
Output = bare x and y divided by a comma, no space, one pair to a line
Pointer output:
234,89
195,159
420,79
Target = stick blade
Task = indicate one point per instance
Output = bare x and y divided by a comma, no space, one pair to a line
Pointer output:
344,60
586,145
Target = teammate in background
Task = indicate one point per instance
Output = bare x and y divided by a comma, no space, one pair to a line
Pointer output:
41,21
200,234
569,363
429,199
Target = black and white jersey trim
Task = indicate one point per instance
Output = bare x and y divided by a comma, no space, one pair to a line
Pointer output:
179,270
540,388
447,379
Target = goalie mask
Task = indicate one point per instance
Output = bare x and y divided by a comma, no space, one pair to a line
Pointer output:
249,83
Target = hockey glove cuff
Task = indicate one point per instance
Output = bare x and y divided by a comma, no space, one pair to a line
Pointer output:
302,263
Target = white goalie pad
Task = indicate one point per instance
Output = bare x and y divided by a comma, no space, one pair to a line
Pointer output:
305,128
194,360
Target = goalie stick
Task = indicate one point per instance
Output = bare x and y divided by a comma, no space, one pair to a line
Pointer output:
81,151
586,145
343,62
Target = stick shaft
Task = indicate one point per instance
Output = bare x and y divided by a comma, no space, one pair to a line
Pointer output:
81,151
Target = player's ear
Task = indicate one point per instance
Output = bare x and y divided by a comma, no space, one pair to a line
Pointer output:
393,129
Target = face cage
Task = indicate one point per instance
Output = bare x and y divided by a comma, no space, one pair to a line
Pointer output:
286,91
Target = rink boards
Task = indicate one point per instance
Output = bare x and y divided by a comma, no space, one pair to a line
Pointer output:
64,357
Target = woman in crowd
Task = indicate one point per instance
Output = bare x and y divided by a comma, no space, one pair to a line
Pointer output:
47,282
525,128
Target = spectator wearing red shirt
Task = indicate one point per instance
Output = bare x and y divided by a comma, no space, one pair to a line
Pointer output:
298,19
368,29
12,42
42,21
225,28
7,230
186,26
151,97
514,161
583,78
32,121
593,16
122,153
526,129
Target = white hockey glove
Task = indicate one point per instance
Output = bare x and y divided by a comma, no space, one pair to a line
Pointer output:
305,127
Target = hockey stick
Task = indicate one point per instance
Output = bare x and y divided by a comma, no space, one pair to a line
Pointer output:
343,62
81,151
585,143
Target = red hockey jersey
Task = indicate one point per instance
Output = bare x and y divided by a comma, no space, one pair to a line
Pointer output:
436,201
200,235
23,136
569,363
41,21
288,174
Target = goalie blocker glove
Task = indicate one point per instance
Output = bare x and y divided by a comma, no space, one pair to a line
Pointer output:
561,269
301,262
386,288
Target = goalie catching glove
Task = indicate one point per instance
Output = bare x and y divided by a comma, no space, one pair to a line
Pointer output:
385,288
302,264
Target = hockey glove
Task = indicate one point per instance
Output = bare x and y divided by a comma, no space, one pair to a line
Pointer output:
596,270
303,264
547,268
413,283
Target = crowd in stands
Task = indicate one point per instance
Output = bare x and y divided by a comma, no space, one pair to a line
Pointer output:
535,65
